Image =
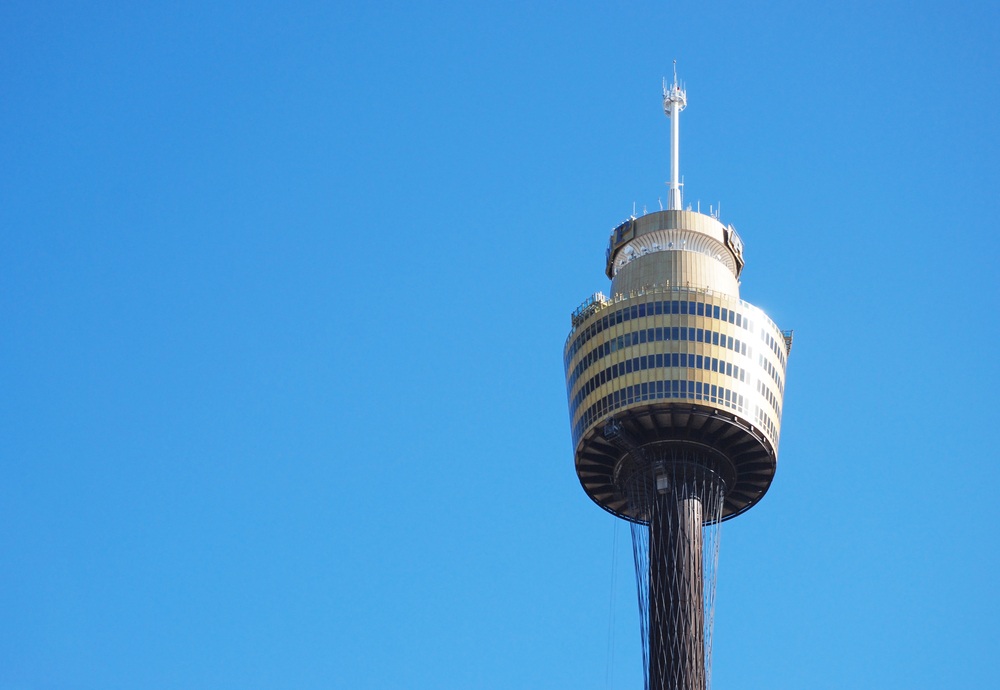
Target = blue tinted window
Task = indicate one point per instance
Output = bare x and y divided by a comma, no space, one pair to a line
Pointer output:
675,333
715,391
684,360
684,387
642,310
715,312
675,385
684,334
628,366
659,387
729,344
701,311
732,317
697,387
675,360
675,307
725,313
691,306
715,364
642,362
645,390
635,364
618,316
614,371
701,335
649,334
729,370
635,312
659,361
604,321
742,378
684,307
642,336
715,338
691,334
659,307
628,339
659,334
739,320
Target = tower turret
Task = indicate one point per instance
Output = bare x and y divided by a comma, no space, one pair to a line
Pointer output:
675,389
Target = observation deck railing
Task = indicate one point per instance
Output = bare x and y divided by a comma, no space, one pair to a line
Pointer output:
598,302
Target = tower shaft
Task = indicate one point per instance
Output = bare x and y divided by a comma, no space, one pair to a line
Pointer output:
676,592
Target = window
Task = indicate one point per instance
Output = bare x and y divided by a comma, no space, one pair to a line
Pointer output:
739,319
674,359
675,307
691,306
729,369
732,317
725,313
642,310
701,310
675,333
659,361
684,307
659,334
635,312
628,339
715,312
628,366
659,307
715,364
715,338
698,363
701,335
642,362
642,336
730,343
618,316
691,334
649,334
684,360
684,334
744,350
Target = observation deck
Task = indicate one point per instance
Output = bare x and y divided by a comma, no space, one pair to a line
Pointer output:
677,359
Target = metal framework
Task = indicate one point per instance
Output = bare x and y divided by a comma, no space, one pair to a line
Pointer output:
676,494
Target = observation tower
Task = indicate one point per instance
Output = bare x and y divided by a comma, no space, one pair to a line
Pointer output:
675,389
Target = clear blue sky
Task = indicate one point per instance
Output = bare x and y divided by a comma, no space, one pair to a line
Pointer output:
284,287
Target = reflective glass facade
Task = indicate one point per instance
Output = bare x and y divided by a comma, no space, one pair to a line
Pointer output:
667,344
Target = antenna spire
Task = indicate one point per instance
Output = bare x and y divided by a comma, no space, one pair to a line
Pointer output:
674,101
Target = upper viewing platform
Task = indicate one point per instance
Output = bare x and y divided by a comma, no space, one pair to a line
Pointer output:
682,248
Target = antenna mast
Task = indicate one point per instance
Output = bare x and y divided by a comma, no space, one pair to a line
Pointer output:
674,101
